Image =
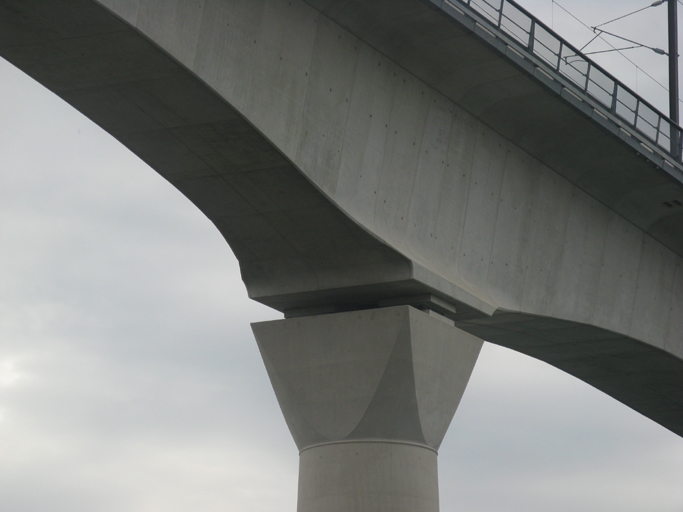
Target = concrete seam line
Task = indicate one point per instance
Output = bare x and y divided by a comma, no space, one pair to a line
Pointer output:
352,441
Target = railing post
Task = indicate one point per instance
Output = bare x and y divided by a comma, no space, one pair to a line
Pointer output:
588,73
676,143
659,128
532,36
613,108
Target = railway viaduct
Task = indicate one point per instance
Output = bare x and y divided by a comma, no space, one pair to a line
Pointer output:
402,179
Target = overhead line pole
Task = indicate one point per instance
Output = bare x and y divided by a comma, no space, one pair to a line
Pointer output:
673,74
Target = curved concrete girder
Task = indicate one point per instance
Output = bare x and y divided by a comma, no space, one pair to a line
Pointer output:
507,89
648,380
592,270
289,238
296,249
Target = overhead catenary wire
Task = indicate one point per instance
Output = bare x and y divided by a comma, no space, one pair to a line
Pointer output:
653,4
589,42
638,68
638,45
618,49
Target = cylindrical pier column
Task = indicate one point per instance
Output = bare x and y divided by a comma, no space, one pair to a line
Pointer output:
368,396
368,476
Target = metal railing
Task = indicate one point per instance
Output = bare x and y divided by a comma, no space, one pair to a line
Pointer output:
537,39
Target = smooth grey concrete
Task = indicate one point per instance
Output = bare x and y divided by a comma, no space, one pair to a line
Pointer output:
368,397
368,477
357,160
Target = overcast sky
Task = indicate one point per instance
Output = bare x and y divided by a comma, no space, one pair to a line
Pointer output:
130,380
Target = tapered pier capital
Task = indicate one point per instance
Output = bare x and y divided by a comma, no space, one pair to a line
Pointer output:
368,396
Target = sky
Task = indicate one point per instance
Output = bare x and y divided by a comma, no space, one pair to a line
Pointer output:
130,380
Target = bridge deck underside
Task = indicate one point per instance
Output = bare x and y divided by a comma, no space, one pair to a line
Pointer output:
649,381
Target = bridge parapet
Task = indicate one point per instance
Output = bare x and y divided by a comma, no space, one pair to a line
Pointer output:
529,38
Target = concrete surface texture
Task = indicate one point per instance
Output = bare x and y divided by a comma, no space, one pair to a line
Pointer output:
418,171
351,161
368,397
368,477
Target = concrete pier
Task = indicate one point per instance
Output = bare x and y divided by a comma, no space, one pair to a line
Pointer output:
368,397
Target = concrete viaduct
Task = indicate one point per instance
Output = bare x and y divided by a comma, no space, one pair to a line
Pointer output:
401,178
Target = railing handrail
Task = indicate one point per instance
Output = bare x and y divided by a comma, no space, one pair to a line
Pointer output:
593,63
667,137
